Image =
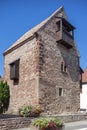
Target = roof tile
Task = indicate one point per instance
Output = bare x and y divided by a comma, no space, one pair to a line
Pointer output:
84,76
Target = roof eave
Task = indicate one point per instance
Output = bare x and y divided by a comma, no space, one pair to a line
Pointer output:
33,35
18,45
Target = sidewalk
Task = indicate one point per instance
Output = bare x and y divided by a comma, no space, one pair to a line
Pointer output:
22,129
77,125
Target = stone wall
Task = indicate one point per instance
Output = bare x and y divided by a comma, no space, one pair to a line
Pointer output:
51,77
21,122
26,91
14,123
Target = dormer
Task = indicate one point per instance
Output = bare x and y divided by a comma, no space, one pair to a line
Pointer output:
65,32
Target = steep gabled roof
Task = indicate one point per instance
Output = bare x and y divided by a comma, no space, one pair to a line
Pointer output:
84,76
31,32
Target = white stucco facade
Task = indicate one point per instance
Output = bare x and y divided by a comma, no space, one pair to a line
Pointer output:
83,97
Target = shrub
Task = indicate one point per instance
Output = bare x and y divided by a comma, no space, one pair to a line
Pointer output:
47,123
4,96
30,111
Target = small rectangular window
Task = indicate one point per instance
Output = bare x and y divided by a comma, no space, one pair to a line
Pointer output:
14,70
60,92
63,67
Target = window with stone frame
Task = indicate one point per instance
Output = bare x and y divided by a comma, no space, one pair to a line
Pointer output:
14,70
63,67
60,92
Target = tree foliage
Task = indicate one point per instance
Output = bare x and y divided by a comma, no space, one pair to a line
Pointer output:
4,96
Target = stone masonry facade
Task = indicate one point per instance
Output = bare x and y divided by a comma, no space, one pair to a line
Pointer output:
26,91
48,69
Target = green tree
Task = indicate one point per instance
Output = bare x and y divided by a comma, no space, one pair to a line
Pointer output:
4,96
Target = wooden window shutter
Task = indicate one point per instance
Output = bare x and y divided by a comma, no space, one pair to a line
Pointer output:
14,70
17,69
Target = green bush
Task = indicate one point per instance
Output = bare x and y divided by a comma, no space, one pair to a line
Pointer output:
46,123
30,111
4,96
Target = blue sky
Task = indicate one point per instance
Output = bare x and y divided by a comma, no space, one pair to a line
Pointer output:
18,16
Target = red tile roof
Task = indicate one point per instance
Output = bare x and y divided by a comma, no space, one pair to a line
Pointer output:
84,76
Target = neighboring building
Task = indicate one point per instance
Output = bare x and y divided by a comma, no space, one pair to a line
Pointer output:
80,78
1,79
42,67
83,94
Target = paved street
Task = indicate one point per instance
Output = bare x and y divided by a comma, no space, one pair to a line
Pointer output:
80,125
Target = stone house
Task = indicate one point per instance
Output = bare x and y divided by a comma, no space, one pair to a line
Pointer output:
42,67
83,94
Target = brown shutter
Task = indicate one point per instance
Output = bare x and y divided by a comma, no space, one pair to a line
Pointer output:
14,70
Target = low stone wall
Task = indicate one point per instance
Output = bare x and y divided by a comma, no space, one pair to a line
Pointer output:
73,117
11,123
14,123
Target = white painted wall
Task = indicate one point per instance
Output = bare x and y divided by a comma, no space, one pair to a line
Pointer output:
83,97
